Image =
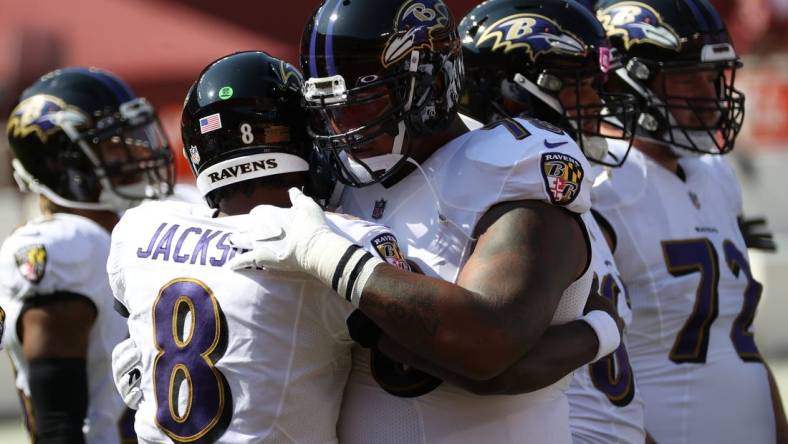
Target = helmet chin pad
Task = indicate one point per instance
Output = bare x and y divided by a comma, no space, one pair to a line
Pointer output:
363,172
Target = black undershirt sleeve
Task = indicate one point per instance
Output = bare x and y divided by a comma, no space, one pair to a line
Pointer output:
59,397
58,386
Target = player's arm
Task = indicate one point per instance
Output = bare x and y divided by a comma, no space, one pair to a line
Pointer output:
54,332
527,254
561,350
542,366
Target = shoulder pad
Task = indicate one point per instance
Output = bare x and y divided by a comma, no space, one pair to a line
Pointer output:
187,193
60,254
515,159
619,187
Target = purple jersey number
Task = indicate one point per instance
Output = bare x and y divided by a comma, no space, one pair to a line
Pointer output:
188,352
741,335
515,128
699,256
612,375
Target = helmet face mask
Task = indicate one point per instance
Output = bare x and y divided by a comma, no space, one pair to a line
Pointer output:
133,151
681,65
694,107
367,119
382,74
578,103
85,141
355,117
550,61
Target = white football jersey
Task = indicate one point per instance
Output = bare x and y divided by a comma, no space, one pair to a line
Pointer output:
229,357
605,406
434,211
65,253
684,262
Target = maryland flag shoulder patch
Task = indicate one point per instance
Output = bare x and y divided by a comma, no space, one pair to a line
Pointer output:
31,262
563,176
387,247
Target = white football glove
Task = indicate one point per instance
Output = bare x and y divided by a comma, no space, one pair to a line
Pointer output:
127,372
307,244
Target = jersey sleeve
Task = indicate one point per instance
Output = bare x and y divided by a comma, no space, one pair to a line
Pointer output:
115,265
517,159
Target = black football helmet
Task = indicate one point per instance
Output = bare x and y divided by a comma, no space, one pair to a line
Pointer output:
540,58
667,44
242,120
83,139
374,68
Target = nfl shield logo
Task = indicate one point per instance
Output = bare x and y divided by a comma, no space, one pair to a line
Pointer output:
194,154
380,207
695,200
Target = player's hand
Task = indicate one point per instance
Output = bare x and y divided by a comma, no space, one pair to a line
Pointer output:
286,248
127,372
599,302
307,244
756,234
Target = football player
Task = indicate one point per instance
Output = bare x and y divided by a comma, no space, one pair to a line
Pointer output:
673,209
217,355
554,68
497,214
89,147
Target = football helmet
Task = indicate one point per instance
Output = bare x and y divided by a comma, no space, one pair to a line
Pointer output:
679,60
242,120
83,139
547,59
378,68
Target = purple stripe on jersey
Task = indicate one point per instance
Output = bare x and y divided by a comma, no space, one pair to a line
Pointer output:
332,69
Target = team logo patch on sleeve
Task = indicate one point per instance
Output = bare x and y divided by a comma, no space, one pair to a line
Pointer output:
563,176
388,249
31,262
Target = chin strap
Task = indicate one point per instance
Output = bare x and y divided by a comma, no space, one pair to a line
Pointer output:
364,169
595,148
536,91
